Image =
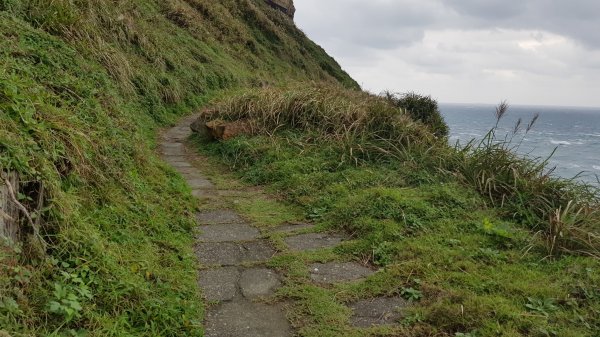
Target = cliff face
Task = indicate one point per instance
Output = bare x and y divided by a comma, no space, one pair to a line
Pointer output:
286,6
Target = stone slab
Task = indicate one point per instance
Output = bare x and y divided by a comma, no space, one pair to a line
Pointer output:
312,241
334,272
227,233
187,170
292,227
219,284
244,318
231,193
377,311
232,254
177,134
180,164
204,193
258,282
200,183
193,175
218,217
172,149
174,159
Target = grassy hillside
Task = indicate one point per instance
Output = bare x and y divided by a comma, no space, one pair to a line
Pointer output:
84,85
480,241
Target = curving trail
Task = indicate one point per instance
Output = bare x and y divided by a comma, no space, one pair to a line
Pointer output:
239,288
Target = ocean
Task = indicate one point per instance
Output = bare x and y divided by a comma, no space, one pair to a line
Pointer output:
573,132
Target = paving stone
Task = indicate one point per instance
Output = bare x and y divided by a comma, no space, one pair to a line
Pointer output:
187,170
312,241
292,227
231,193
180,164
188,176
333,272
218,217
219,284
377,311
204,193
231,254
228,233
200,183
178,134
172,149
244,318
257,282
174,159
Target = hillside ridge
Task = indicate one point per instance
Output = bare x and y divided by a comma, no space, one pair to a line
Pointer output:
84,86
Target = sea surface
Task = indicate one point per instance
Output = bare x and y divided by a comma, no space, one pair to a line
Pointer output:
573,134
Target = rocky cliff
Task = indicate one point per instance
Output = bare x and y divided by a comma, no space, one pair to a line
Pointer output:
286,6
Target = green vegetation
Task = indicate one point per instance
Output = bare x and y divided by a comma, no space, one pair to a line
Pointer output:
84,85
479,241
421,108
461,233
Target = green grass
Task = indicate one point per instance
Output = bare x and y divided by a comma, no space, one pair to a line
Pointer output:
84,87
359,127
468,268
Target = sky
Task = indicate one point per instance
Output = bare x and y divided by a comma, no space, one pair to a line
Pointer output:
541,52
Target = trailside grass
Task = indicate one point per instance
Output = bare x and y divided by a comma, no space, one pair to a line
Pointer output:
468,267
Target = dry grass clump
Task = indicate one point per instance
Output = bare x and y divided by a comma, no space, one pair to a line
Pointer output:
329,111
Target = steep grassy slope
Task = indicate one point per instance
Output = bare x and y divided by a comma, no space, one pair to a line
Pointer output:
83,87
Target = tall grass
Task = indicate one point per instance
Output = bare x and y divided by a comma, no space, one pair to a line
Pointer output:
565,212
367,124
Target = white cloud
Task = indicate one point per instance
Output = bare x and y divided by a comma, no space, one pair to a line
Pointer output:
464,51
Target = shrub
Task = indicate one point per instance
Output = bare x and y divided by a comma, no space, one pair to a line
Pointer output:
421,108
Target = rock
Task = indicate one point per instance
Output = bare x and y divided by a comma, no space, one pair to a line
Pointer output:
199,127
199,124
222,130
286,6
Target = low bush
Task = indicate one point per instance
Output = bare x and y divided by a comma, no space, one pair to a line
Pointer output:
421,108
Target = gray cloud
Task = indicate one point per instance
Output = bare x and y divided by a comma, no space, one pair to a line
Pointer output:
536,51
577,19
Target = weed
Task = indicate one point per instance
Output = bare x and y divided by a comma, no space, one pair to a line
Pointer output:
544,306
411,294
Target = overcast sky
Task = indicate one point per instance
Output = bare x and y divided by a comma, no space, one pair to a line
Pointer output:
466,51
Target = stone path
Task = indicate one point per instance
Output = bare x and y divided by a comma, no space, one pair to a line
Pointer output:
240,289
